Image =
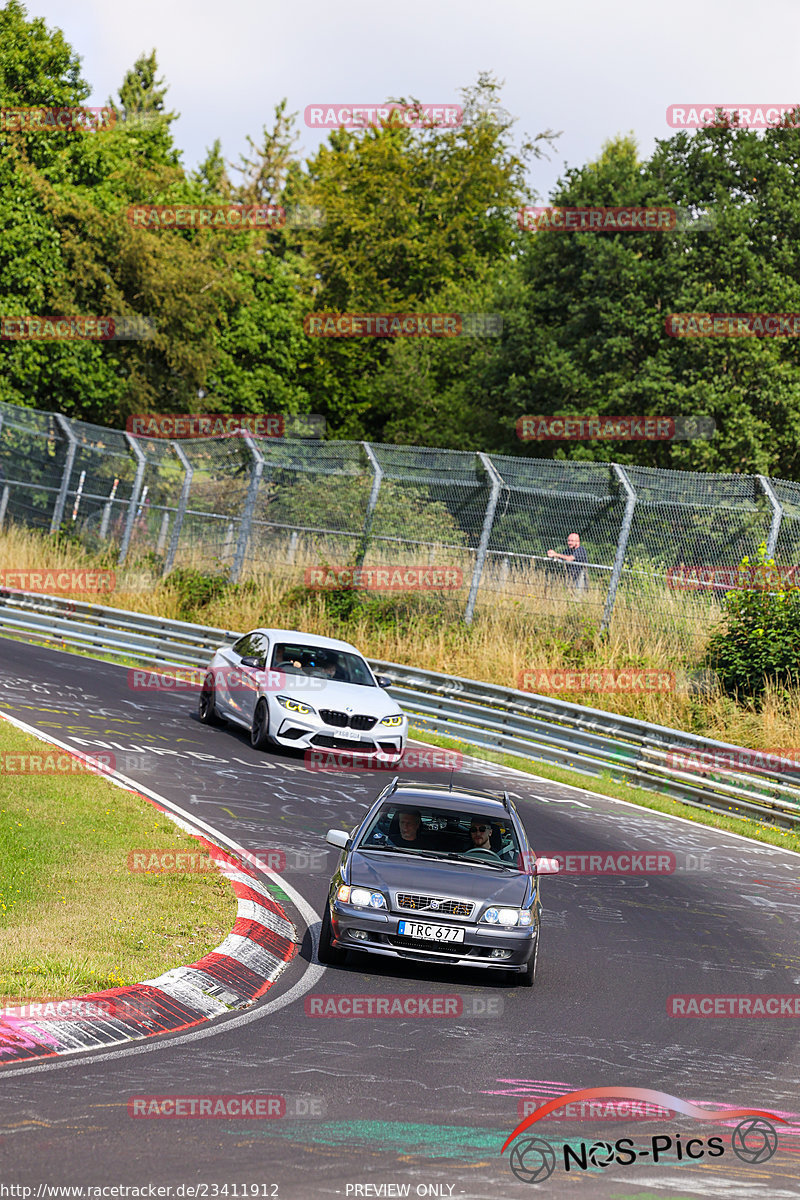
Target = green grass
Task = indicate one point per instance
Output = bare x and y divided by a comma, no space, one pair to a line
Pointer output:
605,785
73,918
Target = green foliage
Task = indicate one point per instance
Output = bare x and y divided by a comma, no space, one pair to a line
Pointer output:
759,641
196,589
348,607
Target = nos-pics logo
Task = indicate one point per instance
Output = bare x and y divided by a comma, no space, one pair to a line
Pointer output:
754,1140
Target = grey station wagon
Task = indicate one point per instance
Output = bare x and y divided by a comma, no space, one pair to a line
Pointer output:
437,874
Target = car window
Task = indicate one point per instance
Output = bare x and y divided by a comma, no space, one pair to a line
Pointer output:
295,658
414,828
252,645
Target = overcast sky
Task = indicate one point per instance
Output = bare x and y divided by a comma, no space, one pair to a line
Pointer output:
591,69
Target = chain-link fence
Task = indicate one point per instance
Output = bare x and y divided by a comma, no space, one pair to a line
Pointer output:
648,540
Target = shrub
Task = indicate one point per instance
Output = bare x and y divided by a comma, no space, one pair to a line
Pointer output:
760,636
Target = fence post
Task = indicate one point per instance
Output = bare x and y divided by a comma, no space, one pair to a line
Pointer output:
249,507
622,544
183,504
777,514
377,479
61,498
488,522
4,503
133,503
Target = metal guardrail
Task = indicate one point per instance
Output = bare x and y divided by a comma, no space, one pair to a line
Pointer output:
544,729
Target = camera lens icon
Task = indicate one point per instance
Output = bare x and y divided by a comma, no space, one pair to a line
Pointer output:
533,1161
754,1140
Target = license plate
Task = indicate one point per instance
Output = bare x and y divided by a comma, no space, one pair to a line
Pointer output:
351,735
430,933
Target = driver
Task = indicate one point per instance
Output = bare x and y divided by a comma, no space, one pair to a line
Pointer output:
480,833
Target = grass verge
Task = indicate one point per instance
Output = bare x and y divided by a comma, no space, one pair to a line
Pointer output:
605,785
73,918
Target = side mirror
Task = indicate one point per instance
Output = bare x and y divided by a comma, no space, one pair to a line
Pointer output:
337,837
384,681
250,661
546,866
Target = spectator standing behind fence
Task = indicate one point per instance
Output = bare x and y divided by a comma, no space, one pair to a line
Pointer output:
576,560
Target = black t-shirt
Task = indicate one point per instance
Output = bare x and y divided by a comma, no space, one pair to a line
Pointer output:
581,559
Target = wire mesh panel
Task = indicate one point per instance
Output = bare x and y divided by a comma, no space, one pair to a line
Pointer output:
658,545
787,550
101,482
542,505
312,504
689,533
159,500
33,452
223,470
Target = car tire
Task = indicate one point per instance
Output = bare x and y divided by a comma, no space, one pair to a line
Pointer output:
206,704
331,956
528,976
259,732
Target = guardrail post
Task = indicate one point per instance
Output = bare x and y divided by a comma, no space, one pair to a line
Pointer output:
72,448
377,479
777,514
249,508
622,544
183,504
133,503
486,532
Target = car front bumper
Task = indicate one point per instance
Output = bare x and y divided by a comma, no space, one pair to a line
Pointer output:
375,932
312,733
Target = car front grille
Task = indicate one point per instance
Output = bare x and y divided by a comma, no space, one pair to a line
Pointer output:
435,904
459,950
332,716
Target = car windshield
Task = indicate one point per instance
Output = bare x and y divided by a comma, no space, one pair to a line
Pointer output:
321,663
442,833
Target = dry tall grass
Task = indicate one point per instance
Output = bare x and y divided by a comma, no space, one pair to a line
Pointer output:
513,630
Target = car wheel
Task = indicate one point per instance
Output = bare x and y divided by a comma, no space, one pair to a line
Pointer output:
206,705
332,956
529,974
259,733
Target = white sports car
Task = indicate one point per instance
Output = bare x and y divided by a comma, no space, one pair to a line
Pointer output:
298,689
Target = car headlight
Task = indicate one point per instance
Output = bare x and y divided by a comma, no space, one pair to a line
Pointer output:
362,897
294,705
393,722
507,916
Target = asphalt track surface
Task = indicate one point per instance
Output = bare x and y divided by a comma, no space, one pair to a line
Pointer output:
423,1103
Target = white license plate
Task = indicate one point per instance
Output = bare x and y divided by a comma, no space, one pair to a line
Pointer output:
430,933
352,735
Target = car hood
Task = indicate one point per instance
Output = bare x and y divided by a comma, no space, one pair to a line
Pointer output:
403,873
341,697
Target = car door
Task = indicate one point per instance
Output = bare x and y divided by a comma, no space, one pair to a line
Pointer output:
229,677
251,675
